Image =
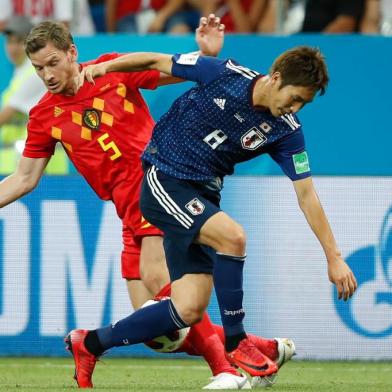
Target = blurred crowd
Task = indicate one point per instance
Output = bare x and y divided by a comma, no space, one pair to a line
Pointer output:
88,17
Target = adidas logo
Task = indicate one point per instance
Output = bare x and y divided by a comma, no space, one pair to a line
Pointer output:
58,111
220,102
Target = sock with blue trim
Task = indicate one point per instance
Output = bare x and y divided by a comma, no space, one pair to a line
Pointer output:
141,326
228,276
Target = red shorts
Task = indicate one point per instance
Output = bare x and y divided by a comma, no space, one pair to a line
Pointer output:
131,252
135,227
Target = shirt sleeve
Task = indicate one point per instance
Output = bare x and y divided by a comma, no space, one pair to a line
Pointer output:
200,69
27,95
290,154
39,144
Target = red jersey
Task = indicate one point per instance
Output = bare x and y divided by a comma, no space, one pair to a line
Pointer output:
104,129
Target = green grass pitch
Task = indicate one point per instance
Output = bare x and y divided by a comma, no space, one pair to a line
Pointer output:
130,374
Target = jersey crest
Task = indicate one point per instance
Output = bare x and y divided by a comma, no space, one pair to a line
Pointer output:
195,206
91,119
252,139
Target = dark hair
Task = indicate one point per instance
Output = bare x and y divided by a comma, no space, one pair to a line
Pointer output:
302,66
45,32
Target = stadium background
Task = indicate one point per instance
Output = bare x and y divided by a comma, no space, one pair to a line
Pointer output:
60,246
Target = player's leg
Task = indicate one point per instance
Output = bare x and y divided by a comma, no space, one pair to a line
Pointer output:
228,238
186,262
184,292
203,340
154,274
186,211
153,268
137,291
142,325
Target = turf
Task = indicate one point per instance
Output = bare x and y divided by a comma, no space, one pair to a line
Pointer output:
52,374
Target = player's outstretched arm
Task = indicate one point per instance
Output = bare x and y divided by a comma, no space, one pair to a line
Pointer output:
209,36
128,63
24,180
339,272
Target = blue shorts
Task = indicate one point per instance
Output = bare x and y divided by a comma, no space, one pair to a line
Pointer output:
180,208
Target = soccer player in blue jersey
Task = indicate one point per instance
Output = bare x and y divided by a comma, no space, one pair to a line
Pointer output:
233,114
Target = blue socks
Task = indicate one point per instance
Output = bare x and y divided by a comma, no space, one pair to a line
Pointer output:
141,326
162,318
228,288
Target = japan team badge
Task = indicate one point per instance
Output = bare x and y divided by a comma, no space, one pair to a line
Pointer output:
195,206
252,139
91,119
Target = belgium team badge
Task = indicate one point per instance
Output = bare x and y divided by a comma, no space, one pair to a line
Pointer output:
91,118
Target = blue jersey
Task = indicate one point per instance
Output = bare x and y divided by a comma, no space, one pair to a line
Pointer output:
214,125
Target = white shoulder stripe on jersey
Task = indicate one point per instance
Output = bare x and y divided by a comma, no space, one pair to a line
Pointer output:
293,121
168,204
290,121
245,69
246,72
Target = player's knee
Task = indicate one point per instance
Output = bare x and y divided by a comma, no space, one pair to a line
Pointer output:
192,316
235,242
190,313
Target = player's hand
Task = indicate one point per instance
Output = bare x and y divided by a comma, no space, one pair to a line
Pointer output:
91,72
210,35
341,275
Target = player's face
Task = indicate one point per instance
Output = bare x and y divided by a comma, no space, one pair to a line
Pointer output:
289,99
57,68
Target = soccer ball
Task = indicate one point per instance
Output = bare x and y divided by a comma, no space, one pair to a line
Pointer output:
166,343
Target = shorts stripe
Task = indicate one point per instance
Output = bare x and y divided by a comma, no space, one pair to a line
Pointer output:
165,200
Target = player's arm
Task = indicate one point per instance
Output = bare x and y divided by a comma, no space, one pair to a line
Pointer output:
209,38
138,61
24,180
338,271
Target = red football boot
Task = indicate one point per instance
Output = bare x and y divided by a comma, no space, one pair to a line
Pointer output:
84,360
247,357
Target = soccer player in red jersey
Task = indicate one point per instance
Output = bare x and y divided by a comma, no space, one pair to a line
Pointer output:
104,128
